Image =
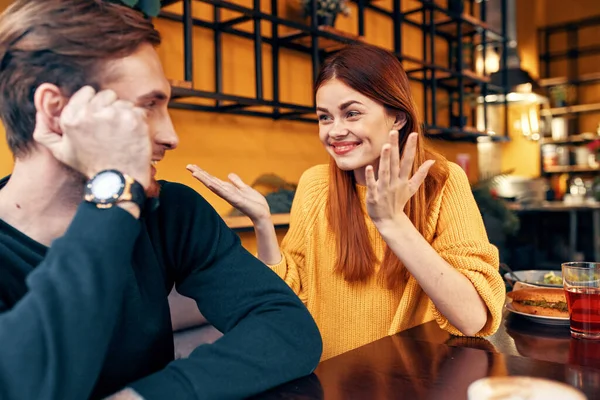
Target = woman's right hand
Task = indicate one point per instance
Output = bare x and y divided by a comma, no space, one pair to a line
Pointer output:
241,196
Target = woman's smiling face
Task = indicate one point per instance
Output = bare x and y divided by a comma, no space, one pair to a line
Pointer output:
352,127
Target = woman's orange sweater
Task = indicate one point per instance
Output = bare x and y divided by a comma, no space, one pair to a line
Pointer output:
351,315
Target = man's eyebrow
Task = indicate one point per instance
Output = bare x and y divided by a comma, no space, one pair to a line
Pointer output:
153,95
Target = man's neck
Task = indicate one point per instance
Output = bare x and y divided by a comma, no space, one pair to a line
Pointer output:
40,198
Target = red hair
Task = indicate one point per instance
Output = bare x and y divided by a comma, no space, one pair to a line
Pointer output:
382,79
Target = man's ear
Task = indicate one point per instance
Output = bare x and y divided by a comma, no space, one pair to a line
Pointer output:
49,103
400,120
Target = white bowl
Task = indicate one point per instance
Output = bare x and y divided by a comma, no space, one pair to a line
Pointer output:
521,388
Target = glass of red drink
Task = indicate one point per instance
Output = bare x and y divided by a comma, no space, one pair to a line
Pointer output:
581,281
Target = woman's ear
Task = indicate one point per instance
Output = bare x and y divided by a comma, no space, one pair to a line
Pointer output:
49,103
400,120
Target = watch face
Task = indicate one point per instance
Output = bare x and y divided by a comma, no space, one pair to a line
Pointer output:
106,185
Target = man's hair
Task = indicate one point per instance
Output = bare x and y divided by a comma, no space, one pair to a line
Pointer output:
63,42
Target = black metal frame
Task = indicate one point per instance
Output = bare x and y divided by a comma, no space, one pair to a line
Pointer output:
452,78
573,53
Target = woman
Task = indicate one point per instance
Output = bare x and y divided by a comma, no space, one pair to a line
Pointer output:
388,236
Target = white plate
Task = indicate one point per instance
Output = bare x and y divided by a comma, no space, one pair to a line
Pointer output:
540,319
534,277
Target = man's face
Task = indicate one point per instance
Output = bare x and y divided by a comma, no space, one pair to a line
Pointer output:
140,78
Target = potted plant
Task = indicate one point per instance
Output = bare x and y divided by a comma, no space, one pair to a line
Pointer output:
278,192
494,207
327,10
150,8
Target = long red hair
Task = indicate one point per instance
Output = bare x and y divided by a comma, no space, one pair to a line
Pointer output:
377,74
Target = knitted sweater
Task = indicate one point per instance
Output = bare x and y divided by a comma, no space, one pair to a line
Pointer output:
351,315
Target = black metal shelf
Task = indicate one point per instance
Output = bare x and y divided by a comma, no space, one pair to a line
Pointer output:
447,23
464,134
574,50
455,77
586,79
561,169
573,110
569,110
571,140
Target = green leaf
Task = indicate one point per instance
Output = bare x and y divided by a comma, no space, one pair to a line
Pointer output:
149,7
130,3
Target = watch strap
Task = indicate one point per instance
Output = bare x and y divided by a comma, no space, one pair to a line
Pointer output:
134,192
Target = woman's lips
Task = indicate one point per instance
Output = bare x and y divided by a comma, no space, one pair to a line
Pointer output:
342,148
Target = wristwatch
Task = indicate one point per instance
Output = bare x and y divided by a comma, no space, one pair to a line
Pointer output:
109,187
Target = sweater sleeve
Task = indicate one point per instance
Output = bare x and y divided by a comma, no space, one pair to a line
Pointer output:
54,340
310,190
462,241
293,244
269,335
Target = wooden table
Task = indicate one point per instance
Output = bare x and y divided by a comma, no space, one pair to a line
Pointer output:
427,363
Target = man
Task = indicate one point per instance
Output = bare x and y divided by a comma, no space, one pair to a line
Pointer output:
84,284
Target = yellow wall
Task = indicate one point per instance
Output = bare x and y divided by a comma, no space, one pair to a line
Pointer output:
521,155
6,159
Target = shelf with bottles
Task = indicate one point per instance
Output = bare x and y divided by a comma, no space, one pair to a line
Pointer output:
580,139
562,157
572,110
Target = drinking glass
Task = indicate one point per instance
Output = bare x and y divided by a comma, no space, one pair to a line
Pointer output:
581,281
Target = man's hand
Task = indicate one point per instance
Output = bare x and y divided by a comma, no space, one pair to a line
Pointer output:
100,132
126,394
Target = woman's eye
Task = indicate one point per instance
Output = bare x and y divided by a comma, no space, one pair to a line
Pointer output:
353,114
151,104
323,117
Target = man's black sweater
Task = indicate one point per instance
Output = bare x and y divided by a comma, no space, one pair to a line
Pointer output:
89,315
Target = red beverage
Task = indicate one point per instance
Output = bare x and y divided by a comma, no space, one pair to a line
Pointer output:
585,353
584,310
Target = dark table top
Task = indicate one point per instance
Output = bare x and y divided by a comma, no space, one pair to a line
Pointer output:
425,362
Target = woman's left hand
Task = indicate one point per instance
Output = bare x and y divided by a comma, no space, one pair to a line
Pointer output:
387,196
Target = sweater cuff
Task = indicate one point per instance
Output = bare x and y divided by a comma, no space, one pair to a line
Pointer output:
494,302
165,384
280,267
114,223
